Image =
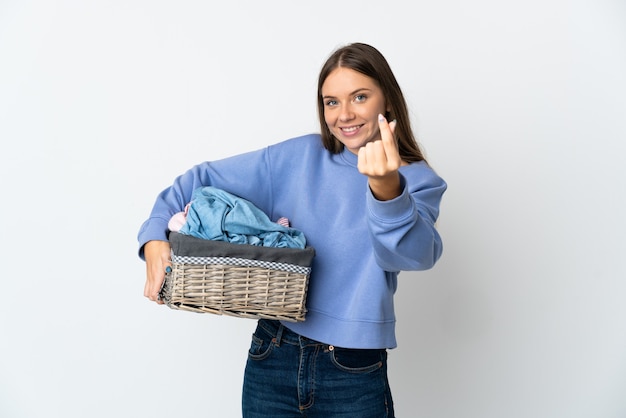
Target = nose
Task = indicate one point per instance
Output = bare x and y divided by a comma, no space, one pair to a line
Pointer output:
346,113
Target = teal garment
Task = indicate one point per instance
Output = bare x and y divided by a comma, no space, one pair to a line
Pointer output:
217,215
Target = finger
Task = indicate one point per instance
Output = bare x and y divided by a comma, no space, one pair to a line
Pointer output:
362,160
155,280
146,289
157,255
372,159
389,141
387,136
161,283
386,133
392,126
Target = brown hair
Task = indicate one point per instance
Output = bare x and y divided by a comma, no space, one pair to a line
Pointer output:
368,61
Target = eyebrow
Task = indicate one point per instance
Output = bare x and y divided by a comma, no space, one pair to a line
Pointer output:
352,93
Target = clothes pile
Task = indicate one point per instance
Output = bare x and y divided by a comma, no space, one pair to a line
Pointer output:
217,215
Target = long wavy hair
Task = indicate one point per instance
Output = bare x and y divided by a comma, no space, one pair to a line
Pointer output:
368,61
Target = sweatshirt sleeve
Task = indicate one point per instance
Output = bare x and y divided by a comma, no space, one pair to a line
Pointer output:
245,175
403,229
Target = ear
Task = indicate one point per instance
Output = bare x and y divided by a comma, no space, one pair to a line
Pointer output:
387,110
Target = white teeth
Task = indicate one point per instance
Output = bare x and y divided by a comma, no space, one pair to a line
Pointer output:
352,129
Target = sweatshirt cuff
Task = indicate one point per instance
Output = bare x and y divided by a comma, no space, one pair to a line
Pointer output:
392,210
151,232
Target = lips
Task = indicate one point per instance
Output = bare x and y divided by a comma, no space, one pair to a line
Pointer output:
350,130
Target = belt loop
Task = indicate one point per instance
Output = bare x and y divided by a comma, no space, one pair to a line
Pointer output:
279,335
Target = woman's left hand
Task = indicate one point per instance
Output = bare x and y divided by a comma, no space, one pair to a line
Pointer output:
380,160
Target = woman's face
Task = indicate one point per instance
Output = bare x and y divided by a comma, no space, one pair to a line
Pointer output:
352,103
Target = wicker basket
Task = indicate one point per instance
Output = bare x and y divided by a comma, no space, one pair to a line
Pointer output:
239,280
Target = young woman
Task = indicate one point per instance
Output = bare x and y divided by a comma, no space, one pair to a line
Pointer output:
367,201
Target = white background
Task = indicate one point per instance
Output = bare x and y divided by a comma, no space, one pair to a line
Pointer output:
520,106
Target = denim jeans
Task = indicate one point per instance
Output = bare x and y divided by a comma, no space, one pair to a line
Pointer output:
288,375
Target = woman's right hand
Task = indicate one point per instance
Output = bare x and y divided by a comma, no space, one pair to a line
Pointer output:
157,255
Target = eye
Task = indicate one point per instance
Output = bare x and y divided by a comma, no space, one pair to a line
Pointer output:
330,102
360,98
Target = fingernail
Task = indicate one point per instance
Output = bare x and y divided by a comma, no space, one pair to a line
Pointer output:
168,269
381,117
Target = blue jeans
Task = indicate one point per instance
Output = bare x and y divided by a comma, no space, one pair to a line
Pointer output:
288,375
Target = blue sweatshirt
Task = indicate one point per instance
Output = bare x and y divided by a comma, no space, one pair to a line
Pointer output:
361,243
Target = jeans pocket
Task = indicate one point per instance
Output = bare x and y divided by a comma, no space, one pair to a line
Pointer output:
357,360
260,348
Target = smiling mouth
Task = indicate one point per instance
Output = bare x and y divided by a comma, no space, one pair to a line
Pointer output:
350,129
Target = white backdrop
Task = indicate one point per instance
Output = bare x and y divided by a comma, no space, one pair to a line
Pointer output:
520,106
